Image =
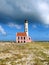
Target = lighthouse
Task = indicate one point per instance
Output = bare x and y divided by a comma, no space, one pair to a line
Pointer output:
26,27
23,37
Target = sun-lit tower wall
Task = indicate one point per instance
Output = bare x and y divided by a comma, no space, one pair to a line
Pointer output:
26,27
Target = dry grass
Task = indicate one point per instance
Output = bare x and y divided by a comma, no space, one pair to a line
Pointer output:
35,53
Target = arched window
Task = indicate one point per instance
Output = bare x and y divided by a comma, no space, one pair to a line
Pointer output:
24,38
18,41
24,41
21,37
21,41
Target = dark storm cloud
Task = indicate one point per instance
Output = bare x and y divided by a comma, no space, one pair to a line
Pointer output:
7,19
18,10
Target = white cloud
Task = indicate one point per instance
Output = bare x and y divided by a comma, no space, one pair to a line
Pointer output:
15,25
43,9
2,30
34,26
46,26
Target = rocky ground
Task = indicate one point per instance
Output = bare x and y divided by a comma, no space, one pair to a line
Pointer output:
35,53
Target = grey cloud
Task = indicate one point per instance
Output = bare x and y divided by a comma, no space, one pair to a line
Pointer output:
22,9
16,7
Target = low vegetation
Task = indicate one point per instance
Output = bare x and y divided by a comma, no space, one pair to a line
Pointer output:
35,53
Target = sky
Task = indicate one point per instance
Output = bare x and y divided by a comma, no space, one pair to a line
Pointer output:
13,14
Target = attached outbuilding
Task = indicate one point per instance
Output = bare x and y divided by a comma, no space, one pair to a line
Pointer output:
22,37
